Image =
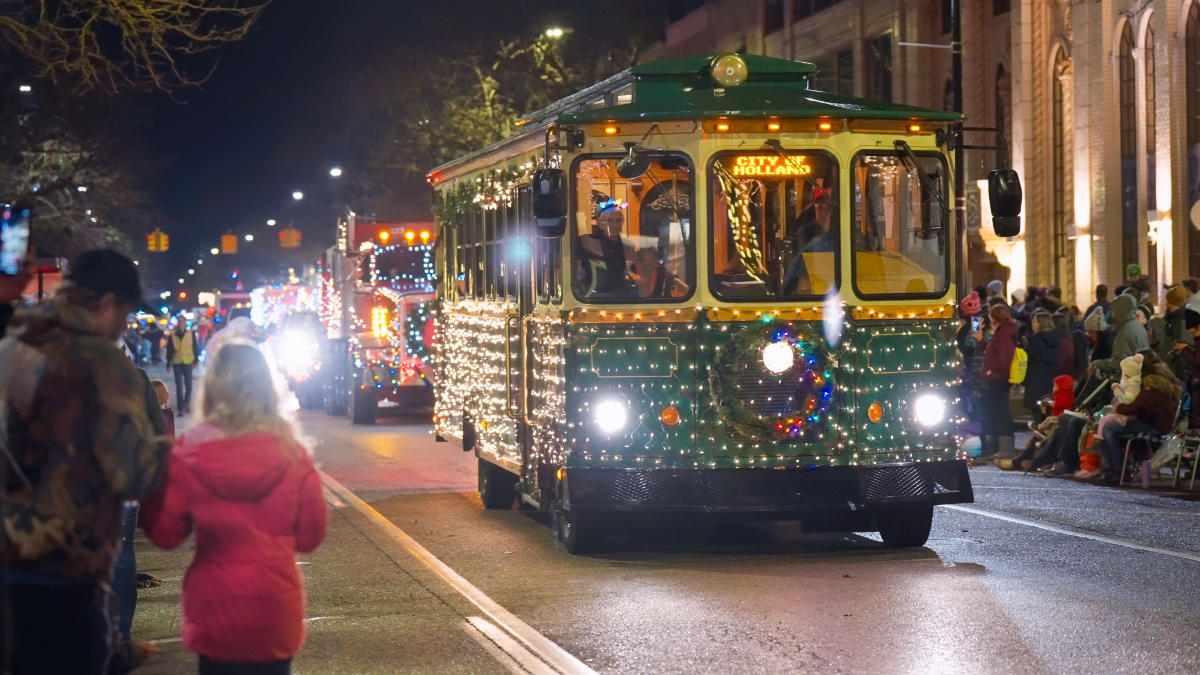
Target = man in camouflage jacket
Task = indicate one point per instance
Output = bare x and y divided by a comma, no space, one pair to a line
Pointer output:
75,443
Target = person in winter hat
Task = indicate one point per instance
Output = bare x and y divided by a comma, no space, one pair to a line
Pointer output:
1152,412
1131,334
1190,354
76,444
1125,391
995,287
244,481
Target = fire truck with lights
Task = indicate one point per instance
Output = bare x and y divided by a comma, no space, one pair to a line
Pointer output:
377,305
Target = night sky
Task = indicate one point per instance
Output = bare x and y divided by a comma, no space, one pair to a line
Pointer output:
295,98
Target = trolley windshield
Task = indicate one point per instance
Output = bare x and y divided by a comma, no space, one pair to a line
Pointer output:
633,238
775,224
900,226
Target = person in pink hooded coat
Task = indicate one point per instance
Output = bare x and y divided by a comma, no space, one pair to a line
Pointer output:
244,483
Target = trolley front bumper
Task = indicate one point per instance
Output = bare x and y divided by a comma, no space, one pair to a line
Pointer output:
835,489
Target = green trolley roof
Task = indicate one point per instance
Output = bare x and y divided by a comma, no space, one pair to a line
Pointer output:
683,88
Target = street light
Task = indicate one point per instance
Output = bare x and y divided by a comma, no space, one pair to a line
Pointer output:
554,33
271,222
181,280
297,195
249,237
24,88
214,251
336,172
191,270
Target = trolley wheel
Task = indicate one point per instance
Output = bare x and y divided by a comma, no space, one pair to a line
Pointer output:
362,406
905,527
581,531
497,487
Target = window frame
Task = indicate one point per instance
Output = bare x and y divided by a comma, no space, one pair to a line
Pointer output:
836,287
946,181
573,229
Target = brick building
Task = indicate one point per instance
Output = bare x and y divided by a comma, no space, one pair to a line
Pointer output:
1100,101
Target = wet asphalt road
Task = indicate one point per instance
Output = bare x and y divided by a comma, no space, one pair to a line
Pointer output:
985,595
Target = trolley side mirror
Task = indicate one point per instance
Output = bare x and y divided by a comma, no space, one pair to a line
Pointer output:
550,202
1004,194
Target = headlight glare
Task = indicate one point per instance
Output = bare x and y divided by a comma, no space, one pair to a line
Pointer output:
611,415
929,410
778,357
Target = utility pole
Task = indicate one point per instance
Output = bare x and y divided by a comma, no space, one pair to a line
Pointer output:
960,169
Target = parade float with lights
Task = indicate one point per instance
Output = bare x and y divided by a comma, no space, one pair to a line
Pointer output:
377,304
701,286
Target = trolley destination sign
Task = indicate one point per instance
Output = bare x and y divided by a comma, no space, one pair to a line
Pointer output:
769,165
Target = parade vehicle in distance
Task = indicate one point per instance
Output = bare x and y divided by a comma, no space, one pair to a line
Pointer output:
287,313
377,305
702,286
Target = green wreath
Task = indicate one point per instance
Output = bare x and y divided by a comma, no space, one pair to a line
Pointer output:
808,381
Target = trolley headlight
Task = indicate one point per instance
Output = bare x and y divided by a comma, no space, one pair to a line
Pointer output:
611,415
929,410
778,357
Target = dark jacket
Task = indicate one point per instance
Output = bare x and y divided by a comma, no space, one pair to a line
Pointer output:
1131,336
997,357
1175,330
1155,403
1043,352
79,435
1102,347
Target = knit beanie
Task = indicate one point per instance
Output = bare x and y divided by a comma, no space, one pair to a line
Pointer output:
996,287
1177,296
970,304
1095,322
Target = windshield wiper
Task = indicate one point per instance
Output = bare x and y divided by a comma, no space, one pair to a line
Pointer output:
927,183
775,145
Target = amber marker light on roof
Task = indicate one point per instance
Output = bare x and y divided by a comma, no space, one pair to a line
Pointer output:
772,126
611,130
914,128
825,126
722,126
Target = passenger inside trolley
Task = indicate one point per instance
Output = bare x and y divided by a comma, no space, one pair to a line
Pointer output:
639,244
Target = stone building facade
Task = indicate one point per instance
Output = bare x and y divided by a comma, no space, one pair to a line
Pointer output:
1099,101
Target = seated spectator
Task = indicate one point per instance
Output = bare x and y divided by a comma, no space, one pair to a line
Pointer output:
1190,354
1152,412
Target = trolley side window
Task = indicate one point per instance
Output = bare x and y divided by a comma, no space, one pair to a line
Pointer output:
633,238
776,224
900,227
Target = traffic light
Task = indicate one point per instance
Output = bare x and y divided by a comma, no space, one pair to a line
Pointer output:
289,238
158,241
229,244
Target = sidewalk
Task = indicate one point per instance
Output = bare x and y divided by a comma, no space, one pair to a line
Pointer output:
372,608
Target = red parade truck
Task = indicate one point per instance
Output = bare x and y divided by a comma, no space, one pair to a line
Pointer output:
377,305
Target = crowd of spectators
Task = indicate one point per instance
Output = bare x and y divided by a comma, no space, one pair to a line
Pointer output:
1087,346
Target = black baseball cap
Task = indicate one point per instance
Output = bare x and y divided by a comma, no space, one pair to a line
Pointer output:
104,271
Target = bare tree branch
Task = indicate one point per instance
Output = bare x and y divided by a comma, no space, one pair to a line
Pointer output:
115,45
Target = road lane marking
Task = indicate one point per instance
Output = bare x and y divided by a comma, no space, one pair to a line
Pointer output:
1060,529
546,650
503,648
333,499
